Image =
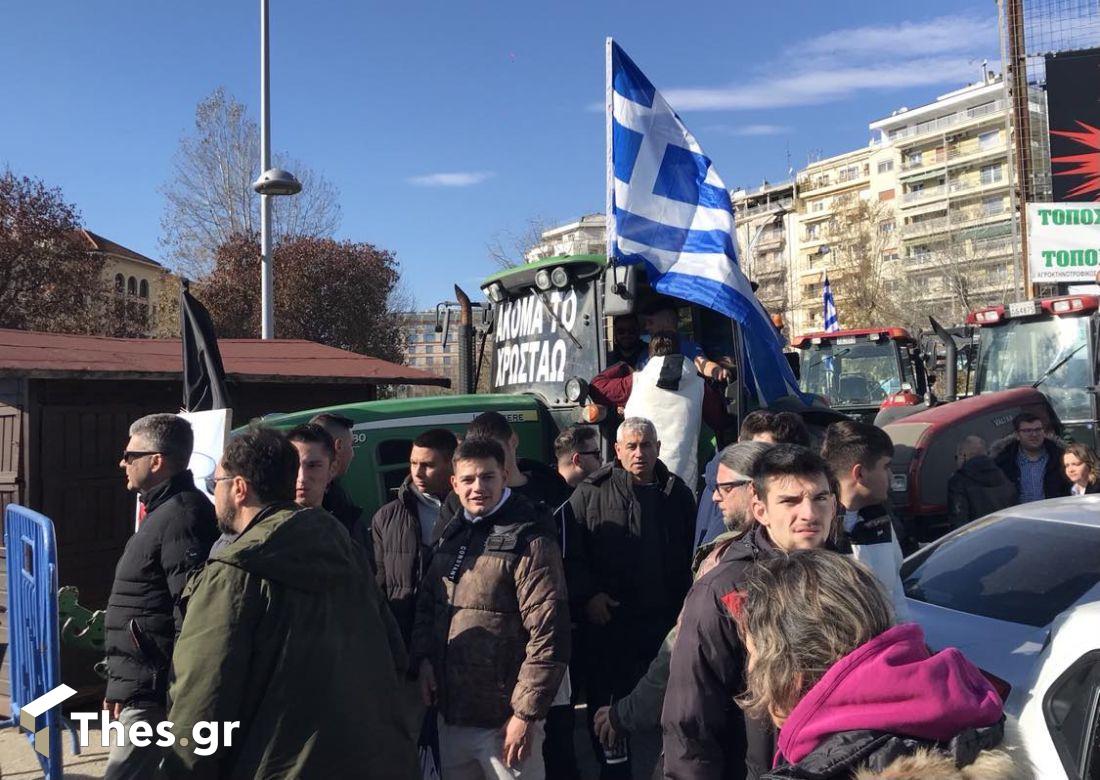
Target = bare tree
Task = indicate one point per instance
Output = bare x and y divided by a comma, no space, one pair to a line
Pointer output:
209,197
860,272
508,249
967,274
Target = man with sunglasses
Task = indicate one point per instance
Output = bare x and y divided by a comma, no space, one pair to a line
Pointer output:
142,622
577,452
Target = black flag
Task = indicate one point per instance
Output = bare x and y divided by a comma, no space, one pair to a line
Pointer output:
203,373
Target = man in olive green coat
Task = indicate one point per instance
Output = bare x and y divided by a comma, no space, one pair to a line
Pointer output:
283,634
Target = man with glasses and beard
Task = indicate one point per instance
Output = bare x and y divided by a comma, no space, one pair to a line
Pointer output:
142,622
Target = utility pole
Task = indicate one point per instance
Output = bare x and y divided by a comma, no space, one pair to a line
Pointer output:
272,182
1015,52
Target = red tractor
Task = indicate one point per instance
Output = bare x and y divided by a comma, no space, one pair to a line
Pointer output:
1039,356
862,373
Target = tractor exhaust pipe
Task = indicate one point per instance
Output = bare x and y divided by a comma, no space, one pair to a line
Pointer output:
465,342
951,366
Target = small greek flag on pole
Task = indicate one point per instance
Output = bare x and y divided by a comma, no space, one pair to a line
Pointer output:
668,209
831,321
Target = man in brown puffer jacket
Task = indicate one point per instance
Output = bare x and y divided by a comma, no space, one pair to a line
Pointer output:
492,624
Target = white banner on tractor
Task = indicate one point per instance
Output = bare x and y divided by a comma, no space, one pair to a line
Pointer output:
1063,241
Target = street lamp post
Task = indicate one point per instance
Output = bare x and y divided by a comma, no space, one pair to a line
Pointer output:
272,182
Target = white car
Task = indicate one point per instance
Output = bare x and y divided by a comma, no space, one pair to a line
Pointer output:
1018,592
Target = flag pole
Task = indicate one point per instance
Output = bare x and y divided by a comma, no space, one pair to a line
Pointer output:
609,109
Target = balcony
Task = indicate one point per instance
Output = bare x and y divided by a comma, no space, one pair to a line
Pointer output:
924,227
947,122
960,218
973,184
776,207
828,180
770,239
967,151
927,193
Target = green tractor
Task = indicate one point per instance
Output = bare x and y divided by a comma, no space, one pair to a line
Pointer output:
549,323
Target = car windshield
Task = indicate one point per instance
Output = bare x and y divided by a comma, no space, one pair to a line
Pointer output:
1001,568
1019,353
851,375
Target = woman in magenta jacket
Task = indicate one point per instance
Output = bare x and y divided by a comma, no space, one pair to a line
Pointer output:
852,694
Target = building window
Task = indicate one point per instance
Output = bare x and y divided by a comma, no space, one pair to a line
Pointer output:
993,206
890,257
914,157
143,289
886,166
886,228
430,349
446,360
120,284
811,232
991,174
988,139
131,286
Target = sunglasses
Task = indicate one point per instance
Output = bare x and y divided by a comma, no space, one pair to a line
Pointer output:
129,456
594,453
212,483
725,488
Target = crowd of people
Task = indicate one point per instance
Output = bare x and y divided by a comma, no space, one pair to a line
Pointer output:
757,632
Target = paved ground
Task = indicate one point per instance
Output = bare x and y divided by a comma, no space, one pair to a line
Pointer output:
18,761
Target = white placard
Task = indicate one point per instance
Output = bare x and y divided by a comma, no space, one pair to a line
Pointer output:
1063,241
211,431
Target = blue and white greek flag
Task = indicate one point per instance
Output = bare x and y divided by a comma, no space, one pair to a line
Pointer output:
831,321
667,208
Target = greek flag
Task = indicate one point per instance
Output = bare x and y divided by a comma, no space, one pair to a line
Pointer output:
667,208
831,321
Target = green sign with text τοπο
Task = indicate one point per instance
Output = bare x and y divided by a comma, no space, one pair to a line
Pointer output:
1063,241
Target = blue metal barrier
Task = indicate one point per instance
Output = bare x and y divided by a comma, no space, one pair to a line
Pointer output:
34,641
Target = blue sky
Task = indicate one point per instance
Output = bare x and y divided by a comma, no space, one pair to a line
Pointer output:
446,124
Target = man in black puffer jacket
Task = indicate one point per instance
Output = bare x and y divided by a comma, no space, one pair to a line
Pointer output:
403,529
631,567
143,620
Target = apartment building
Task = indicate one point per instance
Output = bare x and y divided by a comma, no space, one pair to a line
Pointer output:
953,201
424,349
765,219
825,192
586,236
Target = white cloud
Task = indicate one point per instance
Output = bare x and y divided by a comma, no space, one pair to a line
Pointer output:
823,85
457,179
743,130
905,39
943,51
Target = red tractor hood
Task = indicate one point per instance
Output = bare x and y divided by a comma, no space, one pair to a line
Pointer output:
925,443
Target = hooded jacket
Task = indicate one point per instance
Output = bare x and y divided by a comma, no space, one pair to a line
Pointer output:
978,488
285,632
886,700
492,616
174,539
705,733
